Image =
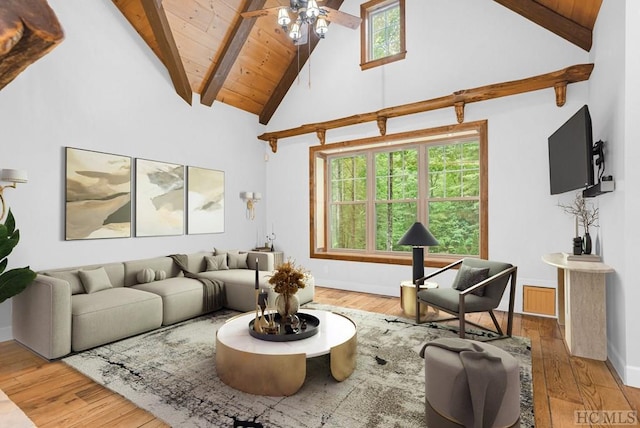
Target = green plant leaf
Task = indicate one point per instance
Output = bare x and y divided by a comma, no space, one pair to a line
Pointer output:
8,243
14,281
10,223
3,265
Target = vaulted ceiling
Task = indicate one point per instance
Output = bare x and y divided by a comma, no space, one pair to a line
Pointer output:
209,49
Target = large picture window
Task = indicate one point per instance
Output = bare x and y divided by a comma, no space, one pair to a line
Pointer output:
382,32
369,192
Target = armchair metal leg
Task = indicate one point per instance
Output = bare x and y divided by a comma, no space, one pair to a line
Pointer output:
461,315
495,322
462,327
512,291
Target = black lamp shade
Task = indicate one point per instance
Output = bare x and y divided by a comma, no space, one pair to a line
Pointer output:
418,236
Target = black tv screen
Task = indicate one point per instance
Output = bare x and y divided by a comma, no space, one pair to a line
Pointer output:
570,154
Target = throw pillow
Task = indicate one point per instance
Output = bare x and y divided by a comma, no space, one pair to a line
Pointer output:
218,262
71,277
468,276
145,275
238,261
94,280
218,251
160,275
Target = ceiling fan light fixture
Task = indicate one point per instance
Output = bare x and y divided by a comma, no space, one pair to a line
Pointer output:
321,27
313,11
295,32
283,18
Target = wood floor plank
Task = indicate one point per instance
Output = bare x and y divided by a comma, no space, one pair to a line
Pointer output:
563,413
55,395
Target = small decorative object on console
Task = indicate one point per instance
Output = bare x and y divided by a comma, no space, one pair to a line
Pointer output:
586,216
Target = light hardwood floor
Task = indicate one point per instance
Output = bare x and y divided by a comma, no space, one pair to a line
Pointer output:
55,395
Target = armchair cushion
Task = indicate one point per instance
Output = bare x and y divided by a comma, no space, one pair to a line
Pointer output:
468,276
449,300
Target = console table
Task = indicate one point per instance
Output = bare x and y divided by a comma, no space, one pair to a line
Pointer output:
582,305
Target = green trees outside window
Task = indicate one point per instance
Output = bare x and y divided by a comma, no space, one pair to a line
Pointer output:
384,32
366,193
438,184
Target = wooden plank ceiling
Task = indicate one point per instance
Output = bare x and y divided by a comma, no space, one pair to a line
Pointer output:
209,49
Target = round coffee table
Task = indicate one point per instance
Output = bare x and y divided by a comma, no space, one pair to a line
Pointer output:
278,368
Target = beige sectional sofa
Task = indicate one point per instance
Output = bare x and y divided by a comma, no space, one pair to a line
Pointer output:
74,309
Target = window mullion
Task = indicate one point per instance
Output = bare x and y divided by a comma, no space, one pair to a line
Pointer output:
423,188
371,203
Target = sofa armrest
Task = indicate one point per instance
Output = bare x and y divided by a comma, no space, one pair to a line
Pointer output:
265,260
42,317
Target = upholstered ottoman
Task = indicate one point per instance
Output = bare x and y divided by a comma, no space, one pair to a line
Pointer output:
470,384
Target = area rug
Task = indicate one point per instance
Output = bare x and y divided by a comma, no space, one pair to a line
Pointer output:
171,373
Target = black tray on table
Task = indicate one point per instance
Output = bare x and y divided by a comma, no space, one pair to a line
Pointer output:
313,326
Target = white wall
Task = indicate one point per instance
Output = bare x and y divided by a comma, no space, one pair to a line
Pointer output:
102,89
614,91
451,46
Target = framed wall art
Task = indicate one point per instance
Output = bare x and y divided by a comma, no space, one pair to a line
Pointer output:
205,200
97,195
159,198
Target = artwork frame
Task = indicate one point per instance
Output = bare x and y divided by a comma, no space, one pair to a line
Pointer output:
97,195
160,199
205,200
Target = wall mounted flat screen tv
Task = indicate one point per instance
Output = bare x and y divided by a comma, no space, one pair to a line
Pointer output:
571,154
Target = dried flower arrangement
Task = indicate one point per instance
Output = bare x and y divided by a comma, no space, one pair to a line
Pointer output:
587,216
288,278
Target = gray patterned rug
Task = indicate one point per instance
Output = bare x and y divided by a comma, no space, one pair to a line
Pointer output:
171,373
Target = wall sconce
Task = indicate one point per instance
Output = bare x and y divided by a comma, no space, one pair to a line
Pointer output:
251,198
13,176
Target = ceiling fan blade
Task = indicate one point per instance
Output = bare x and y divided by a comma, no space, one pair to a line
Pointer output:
342,18
261,12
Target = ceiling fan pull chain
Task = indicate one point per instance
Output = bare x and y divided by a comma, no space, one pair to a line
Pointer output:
298,58
309,56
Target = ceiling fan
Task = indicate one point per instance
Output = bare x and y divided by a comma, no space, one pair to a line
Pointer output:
303,14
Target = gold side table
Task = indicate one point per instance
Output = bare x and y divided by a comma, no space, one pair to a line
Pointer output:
408,297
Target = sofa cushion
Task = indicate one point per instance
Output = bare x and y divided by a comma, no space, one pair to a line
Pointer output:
115,271
217,251
160,275
237,261
145,275
94,280
218,262
112,314
71,277
182,298
196,262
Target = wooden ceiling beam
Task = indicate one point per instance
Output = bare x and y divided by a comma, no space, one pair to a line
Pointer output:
556,79
552,21
230,52
298,61
29,29
167,45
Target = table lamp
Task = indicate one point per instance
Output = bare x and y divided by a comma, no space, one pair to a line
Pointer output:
418,237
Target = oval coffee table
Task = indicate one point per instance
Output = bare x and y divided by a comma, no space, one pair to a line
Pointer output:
262,367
